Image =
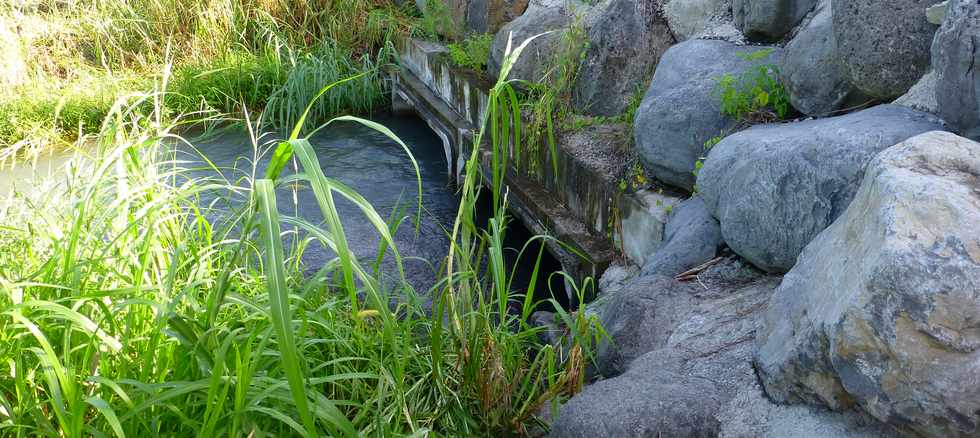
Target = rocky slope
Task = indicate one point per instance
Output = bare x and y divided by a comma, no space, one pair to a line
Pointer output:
870,209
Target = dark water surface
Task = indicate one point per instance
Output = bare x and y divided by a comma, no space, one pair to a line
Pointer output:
373,165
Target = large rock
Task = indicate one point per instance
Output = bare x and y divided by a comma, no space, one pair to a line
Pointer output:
884,48
626,40
955,54
883,308
692,236
751,415
697,365
810,70
681,110
769,20
695,18
549,17
643,313
922,95
488,16
774,187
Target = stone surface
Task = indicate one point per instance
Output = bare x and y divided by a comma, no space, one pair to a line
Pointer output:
954,57
884,50
750,415
700,359
643,312
488,16
769,20
774,187
643,223
691,238
882,311
681,109
922,96
548,17
693,18
626,40
936,13
810,70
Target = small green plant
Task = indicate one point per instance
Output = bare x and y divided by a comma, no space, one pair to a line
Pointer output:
756,95
635,179
472,53
437,20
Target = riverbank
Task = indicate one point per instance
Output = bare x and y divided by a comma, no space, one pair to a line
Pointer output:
68,63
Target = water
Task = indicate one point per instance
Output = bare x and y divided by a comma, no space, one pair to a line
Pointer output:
377,168
367,161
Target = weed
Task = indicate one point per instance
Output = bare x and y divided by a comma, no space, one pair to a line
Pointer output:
756,95
472,53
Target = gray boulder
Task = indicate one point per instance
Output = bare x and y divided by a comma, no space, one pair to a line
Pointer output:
639,319
810,70
774,187
655,399
922,95
488,16
884,48
681,110
694,18
769,20
678,388
626,40
642,315
955,56
549,17
882,311
751,415
691,238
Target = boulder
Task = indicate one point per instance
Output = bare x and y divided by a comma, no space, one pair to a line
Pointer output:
641,315
882,311
691,238
750,415
769,20
690,19
654,399
626,40
774,187
811,72
954,57
922,95
681,110
549,17
884,49
488,16
677,389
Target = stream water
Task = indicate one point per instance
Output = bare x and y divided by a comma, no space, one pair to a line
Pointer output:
362,158
376,167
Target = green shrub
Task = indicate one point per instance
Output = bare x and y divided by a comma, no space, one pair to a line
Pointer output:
472,53
756,94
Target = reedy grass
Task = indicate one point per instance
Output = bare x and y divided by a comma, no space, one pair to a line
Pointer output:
84,54
127,308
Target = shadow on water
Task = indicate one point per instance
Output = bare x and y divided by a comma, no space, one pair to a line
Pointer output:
381,172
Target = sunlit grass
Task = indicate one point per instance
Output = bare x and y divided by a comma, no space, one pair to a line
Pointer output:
129,308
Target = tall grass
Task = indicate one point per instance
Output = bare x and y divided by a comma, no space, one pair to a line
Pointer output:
129,308
84,54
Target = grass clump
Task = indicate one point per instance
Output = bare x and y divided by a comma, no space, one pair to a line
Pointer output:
85,54
132,308
755,95
472,53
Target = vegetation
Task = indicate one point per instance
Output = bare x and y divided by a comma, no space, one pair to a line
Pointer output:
756,95
85,54
472,53
131,309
